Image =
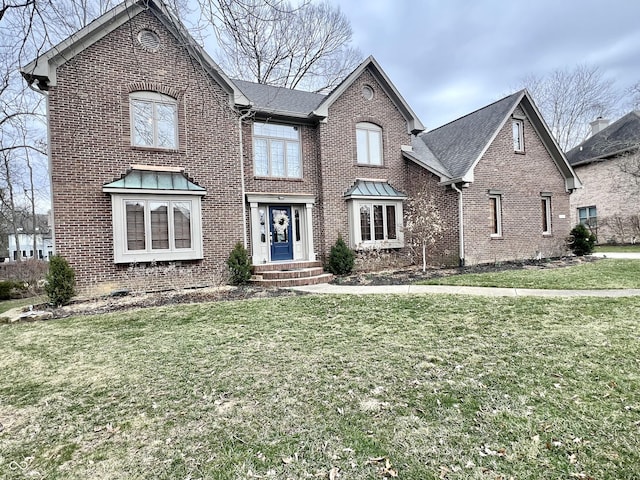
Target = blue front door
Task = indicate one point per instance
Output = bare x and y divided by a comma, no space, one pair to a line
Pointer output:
281,241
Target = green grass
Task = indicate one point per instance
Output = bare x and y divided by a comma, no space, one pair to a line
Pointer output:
618,248
21,302
602,274
428,387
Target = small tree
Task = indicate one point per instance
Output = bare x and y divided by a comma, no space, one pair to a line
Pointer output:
341,259
61,281
581,241
423,223
239,265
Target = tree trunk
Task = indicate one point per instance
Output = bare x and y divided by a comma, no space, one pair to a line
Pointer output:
424,257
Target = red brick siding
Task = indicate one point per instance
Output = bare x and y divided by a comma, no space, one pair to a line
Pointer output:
90,146
521,178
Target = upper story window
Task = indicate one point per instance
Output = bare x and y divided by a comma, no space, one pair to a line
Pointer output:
276,151
369,143
518,135
154,120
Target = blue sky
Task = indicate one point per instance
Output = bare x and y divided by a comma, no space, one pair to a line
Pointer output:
450,57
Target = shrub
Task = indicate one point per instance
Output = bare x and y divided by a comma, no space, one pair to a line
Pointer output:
239,265
581,240
11,289
341,258
61,281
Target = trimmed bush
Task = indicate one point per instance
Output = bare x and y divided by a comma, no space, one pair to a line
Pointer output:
61,281
10,289
239,265
341,258
581,240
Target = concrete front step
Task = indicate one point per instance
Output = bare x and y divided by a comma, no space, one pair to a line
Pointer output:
268,267
291,282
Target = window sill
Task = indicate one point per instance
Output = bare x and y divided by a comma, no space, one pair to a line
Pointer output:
370,165
286,179
496,237
380,244
154,149
148,257
519,152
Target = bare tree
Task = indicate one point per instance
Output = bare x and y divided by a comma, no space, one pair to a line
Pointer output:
273,43
634,96
570,98
423,224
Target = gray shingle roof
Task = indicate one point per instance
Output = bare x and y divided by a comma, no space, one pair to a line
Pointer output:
458,144
268,98
621,135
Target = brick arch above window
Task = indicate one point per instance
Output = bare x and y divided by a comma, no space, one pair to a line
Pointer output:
155,87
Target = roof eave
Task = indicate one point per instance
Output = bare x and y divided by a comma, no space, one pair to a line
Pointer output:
410,156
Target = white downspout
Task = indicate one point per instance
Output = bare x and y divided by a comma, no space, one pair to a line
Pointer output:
243,188
461,223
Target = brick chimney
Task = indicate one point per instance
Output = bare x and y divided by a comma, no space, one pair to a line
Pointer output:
598,125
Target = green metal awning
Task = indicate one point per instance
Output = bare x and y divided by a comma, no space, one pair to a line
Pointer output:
373,188
154,181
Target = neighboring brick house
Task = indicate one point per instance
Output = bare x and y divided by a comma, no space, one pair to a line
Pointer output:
160,163
608,163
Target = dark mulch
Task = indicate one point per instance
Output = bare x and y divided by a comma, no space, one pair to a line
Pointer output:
402,276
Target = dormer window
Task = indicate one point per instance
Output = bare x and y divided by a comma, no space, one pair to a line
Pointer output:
154,120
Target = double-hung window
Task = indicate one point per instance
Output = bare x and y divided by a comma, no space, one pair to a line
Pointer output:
588,216
369,144
495,215
154,120
276,151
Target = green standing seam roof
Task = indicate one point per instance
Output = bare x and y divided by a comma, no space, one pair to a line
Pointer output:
370,188
152,180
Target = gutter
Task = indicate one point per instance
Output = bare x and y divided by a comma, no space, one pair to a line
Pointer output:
461,223
242,180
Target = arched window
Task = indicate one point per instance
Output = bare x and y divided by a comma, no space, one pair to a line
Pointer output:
369,143
154,120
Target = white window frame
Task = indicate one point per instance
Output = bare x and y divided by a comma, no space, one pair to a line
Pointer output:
286,142
498,214
154,99
546,212
372,133
517,128
588,218
355,227
120,250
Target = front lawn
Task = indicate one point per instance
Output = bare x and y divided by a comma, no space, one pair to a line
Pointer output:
601,274
422,387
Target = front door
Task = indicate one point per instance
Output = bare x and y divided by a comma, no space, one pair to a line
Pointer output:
280,227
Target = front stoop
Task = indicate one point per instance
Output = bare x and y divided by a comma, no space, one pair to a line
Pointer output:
292,274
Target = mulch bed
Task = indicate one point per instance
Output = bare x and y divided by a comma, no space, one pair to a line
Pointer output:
402,276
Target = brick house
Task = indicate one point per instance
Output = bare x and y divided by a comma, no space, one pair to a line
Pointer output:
160,163
608,163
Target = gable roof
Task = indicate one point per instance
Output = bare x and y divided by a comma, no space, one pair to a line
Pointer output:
42,70
453,150
414,125
280,100
621,136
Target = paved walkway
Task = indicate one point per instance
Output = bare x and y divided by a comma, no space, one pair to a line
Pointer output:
484,291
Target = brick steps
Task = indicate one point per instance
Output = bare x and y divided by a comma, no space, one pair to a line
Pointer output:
291,274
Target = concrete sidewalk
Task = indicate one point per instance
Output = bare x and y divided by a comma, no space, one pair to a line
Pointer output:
627,255
455,290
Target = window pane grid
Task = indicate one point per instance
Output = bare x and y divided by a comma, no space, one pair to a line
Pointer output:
276,151
167,223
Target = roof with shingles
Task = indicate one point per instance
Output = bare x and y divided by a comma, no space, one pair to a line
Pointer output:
459,144
280,99
620,136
